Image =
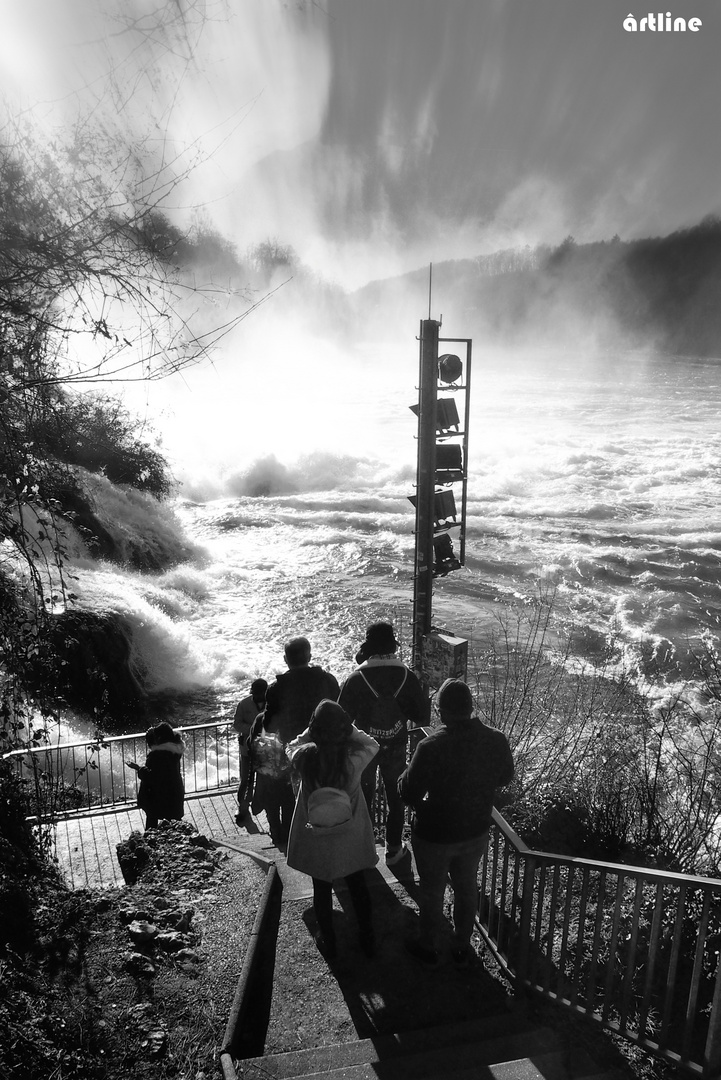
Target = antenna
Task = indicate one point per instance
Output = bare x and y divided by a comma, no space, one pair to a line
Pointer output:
430,287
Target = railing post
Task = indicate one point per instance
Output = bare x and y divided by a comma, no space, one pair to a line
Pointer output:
712,1052
524,932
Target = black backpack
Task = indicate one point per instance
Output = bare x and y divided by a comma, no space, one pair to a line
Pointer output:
387,722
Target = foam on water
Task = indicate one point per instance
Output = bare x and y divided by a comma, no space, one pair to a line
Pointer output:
608,481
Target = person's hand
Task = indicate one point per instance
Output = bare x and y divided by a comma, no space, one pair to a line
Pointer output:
132,765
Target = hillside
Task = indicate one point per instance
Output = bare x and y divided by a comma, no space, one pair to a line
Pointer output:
661,292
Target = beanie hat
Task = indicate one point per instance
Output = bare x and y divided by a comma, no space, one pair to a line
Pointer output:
330,723
455,700
379,639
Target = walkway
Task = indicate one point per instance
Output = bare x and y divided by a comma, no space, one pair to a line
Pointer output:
85,846
385,1017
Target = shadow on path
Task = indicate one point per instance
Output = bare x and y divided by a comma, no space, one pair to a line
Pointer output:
391,992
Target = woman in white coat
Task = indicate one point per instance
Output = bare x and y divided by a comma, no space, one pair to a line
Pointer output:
336,840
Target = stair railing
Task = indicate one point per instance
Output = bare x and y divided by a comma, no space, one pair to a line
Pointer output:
634,950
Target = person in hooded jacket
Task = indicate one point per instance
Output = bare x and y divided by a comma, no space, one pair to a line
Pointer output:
161,793
329,758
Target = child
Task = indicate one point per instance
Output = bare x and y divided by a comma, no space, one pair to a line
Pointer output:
161,793
332,753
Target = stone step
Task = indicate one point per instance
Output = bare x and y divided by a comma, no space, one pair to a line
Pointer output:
470,1064
427,1052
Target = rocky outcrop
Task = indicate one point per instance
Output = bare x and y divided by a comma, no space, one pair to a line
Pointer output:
86,656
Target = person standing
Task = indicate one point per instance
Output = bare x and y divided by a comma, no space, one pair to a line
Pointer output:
161,793
245,713
381,697
450,784
331,835
289,705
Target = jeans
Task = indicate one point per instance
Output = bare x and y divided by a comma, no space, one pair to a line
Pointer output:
391,760
435,864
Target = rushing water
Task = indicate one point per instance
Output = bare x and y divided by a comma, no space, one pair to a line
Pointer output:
603,474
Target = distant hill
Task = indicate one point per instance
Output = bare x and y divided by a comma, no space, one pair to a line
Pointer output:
664,292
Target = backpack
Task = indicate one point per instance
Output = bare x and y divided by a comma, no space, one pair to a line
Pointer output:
328,808
386,720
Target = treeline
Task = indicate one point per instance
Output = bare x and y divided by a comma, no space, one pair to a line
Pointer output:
660,292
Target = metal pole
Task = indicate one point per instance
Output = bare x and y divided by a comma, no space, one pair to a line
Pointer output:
425,489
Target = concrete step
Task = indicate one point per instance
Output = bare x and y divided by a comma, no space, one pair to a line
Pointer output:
543,1067
429,1052
469,1062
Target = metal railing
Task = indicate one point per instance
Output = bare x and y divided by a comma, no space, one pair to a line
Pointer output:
635,950
75,777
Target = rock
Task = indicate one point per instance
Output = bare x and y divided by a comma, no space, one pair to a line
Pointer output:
170,941
133,855
200,855
138,964
142,932
199,840
187,956
129,915
156,1042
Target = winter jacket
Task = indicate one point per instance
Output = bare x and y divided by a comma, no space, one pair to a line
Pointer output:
385,675
291,699
339,853
161,792
452,779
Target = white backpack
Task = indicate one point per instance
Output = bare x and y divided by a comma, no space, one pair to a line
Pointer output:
329,809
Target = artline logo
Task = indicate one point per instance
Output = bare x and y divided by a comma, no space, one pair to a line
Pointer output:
660,22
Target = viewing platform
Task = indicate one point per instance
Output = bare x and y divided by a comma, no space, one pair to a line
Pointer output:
633,949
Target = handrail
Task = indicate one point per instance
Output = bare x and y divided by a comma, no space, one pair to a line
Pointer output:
64,779
635,950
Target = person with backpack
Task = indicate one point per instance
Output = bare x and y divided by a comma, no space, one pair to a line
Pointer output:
331,834
289,705
382,696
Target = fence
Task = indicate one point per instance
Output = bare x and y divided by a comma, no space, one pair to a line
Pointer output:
93,775
634,950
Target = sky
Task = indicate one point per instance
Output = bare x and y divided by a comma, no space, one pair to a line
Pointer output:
377,136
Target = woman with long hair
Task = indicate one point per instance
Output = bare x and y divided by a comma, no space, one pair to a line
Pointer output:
331,835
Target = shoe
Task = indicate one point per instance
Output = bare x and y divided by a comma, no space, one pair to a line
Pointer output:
394,855
428,957
367,942
464,956
241,818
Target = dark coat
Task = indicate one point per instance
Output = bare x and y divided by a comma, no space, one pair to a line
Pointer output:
291,699
385,675
452,779
161,793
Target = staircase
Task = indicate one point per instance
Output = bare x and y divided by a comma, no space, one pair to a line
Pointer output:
494,1048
